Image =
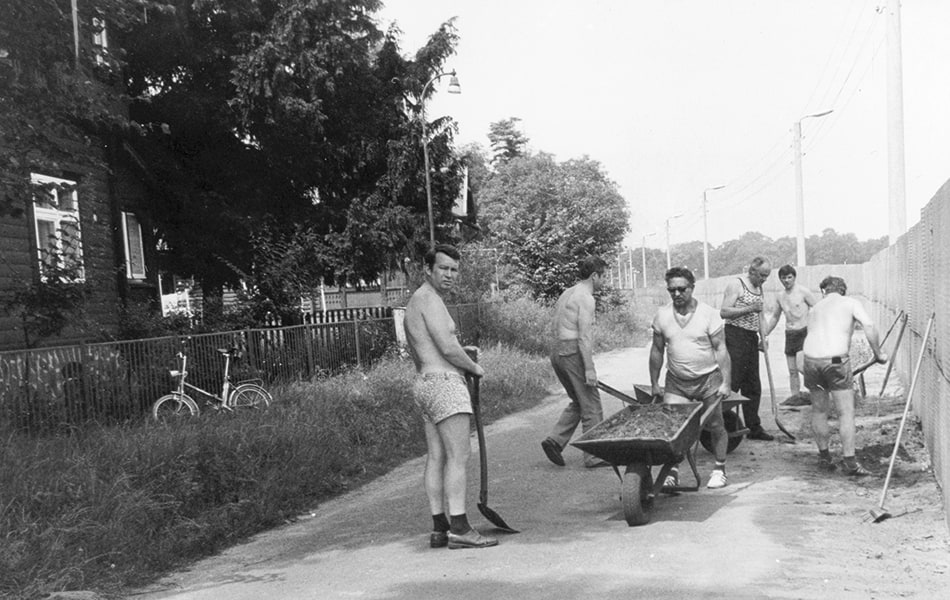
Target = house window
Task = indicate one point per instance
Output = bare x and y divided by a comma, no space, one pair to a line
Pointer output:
58,234
134,251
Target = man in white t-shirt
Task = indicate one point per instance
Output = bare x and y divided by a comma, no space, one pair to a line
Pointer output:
697,362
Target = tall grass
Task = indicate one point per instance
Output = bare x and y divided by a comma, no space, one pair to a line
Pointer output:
113,507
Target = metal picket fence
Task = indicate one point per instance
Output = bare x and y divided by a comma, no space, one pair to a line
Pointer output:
57,388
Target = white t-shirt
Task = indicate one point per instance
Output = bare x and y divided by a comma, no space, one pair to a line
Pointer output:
689,352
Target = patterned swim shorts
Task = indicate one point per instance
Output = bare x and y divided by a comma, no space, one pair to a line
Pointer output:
441,395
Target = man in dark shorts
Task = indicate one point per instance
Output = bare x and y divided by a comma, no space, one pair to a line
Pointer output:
827,368
441,393
794,302
697,363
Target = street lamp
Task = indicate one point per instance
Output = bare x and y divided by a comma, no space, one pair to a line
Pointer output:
668,262
643,250
799,193
706,233
454,88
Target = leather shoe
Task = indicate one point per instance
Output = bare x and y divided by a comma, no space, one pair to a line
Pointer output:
472,539
438,539
553,451
760,434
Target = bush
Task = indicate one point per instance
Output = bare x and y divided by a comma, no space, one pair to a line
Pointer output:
526,324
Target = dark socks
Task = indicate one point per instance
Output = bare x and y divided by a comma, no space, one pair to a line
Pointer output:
826,455
440,522
459,524
720,466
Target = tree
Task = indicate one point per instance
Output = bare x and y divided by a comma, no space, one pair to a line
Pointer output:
546,216
507,141
292,123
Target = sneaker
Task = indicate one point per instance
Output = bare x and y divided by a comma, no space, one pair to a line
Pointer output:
855,470
553,451
717,479
472,539
438,539
826,464
758,433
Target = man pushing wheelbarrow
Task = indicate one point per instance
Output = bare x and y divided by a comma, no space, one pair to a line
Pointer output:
698,367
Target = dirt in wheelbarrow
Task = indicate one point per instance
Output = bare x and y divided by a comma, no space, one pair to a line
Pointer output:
659,421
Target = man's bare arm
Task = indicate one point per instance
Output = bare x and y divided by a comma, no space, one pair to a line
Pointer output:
718,342
729,310
656,361
870,332
585,336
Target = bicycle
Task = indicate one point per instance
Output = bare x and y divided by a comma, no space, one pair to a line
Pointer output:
244,394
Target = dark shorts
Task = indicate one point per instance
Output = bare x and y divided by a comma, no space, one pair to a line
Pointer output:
829,374
698,389
795,340
441,395
701,389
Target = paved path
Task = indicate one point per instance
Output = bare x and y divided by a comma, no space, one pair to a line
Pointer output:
753,539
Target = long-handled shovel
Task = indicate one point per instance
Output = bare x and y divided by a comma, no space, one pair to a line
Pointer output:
768,370
493,517
880,513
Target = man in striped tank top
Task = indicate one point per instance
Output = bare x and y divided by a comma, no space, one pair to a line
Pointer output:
742,310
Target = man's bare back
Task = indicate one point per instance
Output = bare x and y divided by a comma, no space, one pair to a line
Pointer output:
427,318
831,324
567,312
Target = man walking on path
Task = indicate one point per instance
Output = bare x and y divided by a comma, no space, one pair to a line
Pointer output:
742,309
441,393
697,363
573,362
827,368
794,301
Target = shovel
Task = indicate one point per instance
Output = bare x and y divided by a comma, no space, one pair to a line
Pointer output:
493,517
768,370
880,513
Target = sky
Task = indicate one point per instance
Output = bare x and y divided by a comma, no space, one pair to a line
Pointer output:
673,97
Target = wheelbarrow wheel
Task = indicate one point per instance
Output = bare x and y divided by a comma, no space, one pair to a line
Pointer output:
733,424
637,494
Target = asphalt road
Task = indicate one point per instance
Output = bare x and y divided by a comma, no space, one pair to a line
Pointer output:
751,539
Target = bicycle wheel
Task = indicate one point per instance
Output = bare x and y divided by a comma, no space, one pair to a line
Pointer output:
249,395
171,407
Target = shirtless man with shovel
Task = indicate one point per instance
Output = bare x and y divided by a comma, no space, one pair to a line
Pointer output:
441,392
828,371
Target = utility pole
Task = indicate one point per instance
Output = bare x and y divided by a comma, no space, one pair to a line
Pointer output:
643,250
896,188
706,232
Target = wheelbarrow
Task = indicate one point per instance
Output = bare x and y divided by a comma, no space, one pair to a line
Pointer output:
668,438
730,413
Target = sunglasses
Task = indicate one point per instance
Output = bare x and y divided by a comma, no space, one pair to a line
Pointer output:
674,290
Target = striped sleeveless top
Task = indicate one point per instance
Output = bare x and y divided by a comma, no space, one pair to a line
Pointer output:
749,321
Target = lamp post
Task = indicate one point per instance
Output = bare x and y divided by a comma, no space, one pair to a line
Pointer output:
643,250
668,262
454,88
799,192
706,232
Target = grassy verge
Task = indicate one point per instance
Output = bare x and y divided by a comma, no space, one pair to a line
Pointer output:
108,508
